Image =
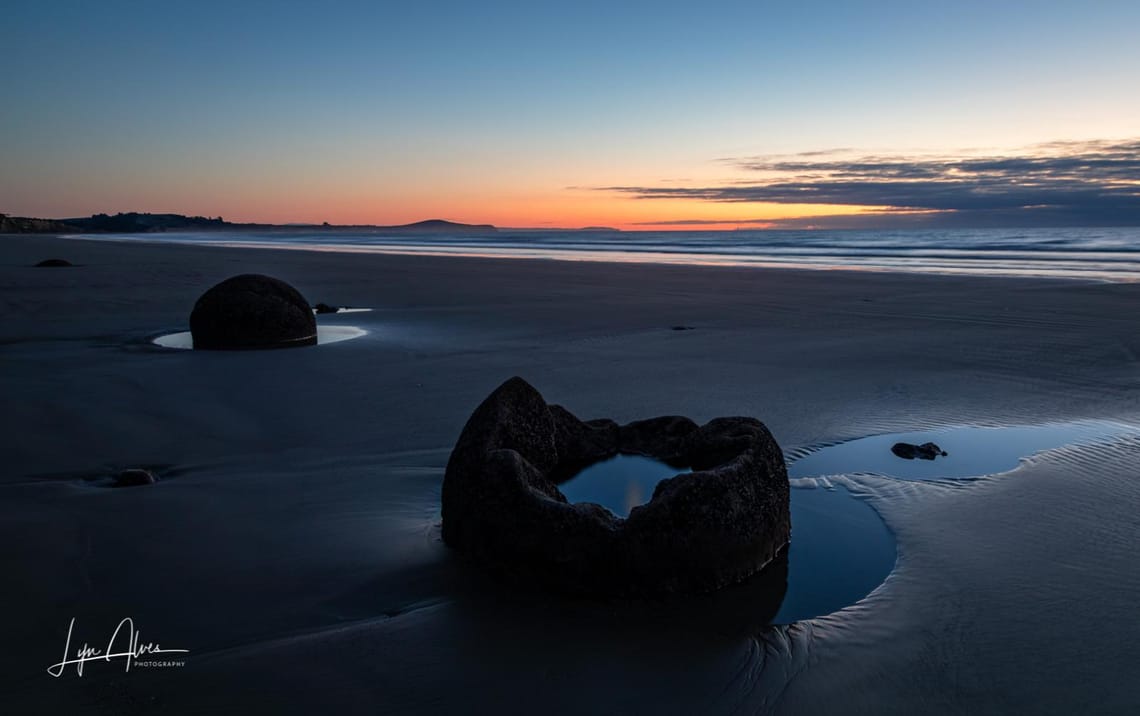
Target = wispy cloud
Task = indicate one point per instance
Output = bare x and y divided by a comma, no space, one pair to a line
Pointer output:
1061,183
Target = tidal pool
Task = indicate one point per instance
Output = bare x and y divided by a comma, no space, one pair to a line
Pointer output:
325,334
620,483
972,451
840,549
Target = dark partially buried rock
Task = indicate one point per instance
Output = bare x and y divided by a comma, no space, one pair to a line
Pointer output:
925,451
134,477
53,263
252,311
325,308
701,531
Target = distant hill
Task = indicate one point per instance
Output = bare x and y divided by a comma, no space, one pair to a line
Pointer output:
139,223
438,226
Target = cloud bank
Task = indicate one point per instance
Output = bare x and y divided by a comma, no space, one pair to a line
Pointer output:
1056,184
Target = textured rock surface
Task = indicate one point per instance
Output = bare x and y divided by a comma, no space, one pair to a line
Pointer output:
701,531
252,311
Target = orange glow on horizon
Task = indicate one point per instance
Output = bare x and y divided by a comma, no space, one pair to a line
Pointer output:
362,199
552,212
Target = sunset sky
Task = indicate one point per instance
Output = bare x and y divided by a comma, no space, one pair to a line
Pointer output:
529,114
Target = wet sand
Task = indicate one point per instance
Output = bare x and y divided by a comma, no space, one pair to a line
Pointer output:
293,544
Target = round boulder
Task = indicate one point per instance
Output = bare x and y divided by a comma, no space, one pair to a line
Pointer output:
715,526
252,311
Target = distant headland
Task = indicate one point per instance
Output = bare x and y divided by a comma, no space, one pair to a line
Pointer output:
138,223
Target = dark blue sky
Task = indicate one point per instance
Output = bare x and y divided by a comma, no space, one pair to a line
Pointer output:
517,112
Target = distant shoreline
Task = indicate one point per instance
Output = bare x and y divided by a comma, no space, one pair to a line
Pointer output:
139,222
669,248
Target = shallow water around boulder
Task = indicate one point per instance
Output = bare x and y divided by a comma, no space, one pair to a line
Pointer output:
325,334
840,549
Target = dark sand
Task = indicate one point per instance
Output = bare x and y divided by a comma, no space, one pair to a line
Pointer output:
293,544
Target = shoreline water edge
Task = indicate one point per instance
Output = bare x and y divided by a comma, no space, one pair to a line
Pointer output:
1097,254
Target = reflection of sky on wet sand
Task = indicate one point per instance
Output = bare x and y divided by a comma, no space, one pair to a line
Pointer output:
1097,255
325,334
972,451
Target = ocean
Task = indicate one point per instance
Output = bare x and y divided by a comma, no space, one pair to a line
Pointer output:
1102,254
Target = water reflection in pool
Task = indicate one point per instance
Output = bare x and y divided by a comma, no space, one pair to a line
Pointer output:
840,549
972,451
619,483
325,334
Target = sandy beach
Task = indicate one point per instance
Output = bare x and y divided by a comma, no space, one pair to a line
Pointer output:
292,545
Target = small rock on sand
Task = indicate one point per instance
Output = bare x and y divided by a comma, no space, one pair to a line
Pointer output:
925,451
134,477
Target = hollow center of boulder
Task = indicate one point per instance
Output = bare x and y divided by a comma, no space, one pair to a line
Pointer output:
620,483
